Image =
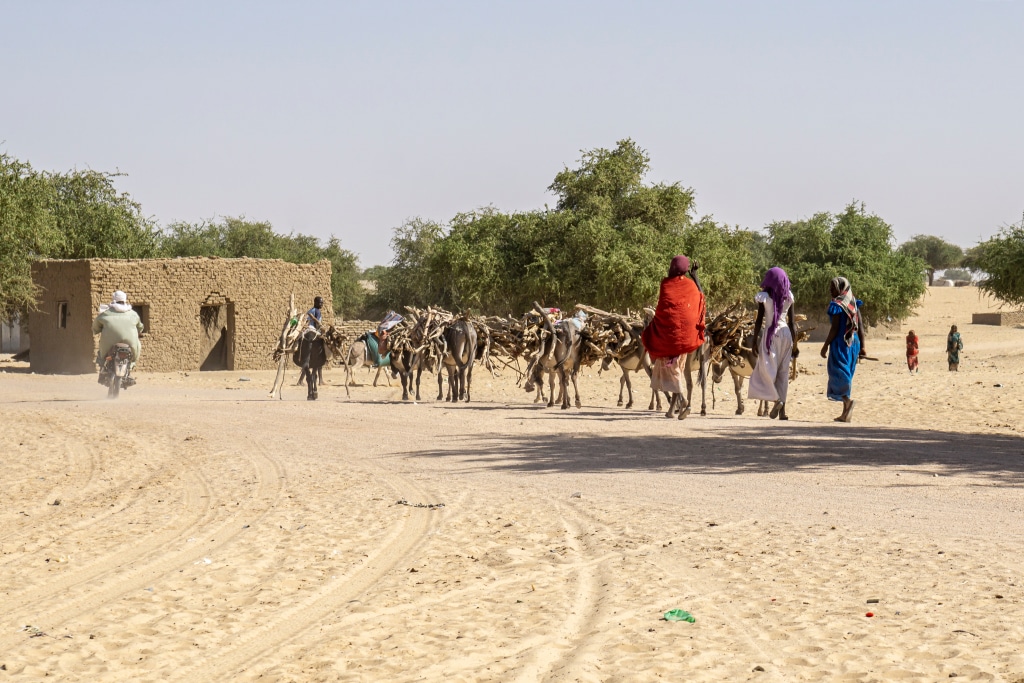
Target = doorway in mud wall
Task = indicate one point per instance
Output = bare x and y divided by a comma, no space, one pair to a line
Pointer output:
217,337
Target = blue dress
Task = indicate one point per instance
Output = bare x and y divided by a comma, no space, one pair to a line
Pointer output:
842,359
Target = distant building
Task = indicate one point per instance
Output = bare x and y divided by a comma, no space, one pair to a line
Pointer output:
199,313
12,338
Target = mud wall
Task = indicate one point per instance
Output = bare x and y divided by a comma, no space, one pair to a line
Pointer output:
199,312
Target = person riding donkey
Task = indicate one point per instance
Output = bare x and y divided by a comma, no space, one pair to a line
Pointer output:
314,322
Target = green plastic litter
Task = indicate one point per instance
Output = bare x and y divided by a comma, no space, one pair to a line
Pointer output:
679,615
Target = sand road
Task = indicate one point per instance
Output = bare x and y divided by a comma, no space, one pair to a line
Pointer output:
194,530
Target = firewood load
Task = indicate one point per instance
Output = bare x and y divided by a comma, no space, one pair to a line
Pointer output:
421,333
506,340
727,333
609,335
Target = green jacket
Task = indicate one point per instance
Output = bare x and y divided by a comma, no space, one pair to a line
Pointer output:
113,328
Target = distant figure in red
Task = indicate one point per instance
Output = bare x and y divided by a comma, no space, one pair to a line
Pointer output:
912,351
676,330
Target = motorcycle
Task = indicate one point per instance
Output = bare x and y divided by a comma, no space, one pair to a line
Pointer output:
117,368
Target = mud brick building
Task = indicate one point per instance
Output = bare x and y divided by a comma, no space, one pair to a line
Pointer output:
199,313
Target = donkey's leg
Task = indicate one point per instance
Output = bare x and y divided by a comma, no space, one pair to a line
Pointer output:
629,389
737,384
576,391
684,406
440,382
469,378
622,384
702,376
551,388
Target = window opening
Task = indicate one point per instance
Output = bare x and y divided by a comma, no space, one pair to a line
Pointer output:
62,315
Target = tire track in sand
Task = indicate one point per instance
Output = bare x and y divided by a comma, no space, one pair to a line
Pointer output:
556,651
395,547
45,535
77,479
51,604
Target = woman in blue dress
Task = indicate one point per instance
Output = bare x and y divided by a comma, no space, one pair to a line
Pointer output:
844,345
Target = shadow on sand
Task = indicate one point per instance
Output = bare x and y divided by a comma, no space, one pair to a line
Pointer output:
770,449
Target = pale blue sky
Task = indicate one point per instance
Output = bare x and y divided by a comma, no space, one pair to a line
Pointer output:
349,118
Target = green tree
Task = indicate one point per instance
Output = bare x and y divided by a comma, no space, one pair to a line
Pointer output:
936,252
608,242
27,232
410,279
1001,259
79,214
97,221
855,245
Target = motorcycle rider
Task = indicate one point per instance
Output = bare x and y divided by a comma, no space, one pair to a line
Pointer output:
119,323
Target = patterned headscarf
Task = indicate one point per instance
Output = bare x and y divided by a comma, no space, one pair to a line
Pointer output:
680,266
776,284
848,303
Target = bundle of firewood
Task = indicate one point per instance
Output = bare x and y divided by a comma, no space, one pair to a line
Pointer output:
609,335
727,334
422,332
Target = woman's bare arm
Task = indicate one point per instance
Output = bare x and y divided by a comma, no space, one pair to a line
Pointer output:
693,274
792,330
832,334
755,347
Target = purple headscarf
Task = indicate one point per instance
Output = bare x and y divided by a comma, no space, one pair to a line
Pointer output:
776,284
680,266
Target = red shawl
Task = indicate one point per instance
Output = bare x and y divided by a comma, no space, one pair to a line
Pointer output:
678,324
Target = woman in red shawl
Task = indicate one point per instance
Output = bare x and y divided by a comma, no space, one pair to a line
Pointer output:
912,350
676,330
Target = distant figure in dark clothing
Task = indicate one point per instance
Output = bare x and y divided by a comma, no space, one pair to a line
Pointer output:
954,345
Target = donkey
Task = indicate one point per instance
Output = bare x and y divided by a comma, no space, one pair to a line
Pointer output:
739,372
311,355
359,356
460,341
558,354
635,361
408,365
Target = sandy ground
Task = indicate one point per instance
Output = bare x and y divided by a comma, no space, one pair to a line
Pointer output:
194,530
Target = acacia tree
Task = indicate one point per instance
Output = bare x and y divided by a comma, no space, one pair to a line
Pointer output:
27,232
96,221
607,242
852,244
1001,258
410,280
78,214
936,252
